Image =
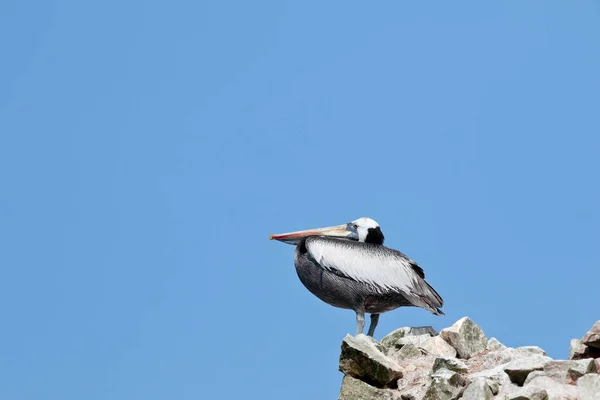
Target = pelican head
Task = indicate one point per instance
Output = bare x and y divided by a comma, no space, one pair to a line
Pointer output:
362,230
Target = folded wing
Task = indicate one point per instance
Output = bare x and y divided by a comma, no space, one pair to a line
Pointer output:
387,270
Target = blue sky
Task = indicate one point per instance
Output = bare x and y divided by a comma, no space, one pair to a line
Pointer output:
147,150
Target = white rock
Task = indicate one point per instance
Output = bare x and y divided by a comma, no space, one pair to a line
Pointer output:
436,346
588,387
449,363
466,337
478,389
518,369
554,390
494,344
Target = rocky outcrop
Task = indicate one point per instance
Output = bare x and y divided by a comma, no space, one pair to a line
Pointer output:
461,363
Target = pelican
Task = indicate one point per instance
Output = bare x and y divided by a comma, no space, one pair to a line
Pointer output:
347,266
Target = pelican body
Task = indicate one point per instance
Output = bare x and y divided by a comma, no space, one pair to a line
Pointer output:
347,266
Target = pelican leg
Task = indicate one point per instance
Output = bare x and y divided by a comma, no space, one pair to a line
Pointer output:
374,321
360,322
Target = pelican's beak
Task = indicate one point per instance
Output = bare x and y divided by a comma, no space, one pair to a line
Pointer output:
295,237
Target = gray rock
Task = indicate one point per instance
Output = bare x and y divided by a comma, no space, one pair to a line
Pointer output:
494,344
588,387
354,389
532,376
361,359
495,376
489,360
478,389
579,351
451,364
416,340
409,351
596,366
437,347
576,348
528,394
568,371
518,369
553,389
443,386
466,337
592,337
527,350
390,340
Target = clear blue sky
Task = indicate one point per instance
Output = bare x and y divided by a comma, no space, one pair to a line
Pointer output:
148,149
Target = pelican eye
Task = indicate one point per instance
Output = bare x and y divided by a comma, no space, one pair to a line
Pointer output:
355,226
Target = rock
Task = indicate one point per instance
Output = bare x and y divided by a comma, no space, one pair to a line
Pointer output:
588,387
392,338
466,337
532,376
354,389
361,359
416,340
437,347
595,368
494,344
408,351
526,350
553,389
528,394
451,364
489,360
568,371
579,351
445,385
478,389
460,363
592,337
518,369
576,349
539,386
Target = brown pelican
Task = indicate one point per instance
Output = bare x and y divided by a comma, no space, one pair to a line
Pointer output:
347,266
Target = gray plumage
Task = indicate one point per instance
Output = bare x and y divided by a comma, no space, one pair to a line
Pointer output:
337,285
348,266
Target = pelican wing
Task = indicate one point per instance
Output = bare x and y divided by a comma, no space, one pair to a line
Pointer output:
383,268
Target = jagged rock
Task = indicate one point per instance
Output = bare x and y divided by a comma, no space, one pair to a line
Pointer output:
553,389
494,344
445,385
489,360
354,389
361,359
540,386
518,369
416,340
579,351
478,389
576,349
532,376
596,366
466,337
451,364
416,364
409,351
437,347
526,350
391,340
592,337
568,371
527,394
588,387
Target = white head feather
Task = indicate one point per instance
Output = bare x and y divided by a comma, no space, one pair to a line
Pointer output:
362,226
